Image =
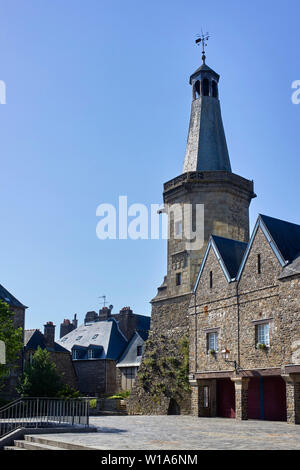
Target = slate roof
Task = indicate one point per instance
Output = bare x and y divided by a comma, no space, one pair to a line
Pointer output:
129,358
143,334
143,323
34,338
102,333
291,269
204,68
286,235
7,297
232,252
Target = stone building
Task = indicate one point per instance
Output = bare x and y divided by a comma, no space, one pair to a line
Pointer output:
8,392
59,355
130,361
207,181
97,346
244,326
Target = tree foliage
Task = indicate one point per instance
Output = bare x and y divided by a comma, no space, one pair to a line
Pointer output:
40,378
12,337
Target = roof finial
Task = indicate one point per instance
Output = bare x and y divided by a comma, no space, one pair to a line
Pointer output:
202,38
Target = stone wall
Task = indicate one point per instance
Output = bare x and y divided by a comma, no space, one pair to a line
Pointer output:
234,310
156,383
96,377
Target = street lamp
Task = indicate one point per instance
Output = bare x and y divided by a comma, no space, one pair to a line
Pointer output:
225,353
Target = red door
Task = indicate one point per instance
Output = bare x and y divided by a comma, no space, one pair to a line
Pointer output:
225,398
254,399
274,399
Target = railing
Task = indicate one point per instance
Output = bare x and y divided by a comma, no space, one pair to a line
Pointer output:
43,412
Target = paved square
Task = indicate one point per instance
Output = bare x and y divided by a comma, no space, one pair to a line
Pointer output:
185,432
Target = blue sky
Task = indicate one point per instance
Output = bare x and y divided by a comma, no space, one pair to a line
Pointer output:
98,105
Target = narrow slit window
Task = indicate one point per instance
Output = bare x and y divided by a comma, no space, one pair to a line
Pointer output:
258,264
178,279
211,279
205,396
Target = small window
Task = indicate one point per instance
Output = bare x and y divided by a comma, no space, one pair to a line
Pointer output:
91,353
178,279
75,354
78,338
95,336
258,264
178,228
139,350
212,342
64,339
211,279
262,335
205,396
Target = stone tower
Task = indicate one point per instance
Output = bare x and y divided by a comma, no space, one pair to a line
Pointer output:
207,180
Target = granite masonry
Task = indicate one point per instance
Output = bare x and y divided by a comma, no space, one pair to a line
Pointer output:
206,180
244,326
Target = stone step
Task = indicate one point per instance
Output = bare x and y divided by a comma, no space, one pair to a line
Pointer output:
55,443
12,448
25,445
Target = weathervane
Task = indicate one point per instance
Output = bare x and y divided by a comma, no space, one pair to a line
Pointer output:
202,38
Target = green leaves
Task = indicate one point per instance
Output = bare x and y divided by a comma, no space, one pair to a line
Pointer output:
40,378
12,337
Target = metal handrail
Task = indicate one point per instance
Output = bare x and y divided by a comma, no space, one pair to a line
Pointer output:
43,412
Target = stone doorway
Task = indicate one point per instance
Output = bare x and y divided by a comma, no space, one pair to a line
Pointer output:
174,408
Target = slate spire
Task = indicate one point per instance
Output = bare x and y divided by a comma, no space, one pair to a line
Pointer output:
206,148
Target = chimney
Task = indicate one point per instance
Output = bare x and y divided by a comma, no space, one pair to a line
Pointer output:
75,322
49,335
105,313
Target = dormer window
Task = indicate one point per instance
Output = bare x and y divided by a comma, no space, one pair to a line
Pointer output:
76,354
139,350
78,338
95,336
91,354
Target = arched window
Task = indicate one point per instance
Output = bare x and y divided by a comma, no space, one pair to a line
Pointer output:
214,89
197,90
205,85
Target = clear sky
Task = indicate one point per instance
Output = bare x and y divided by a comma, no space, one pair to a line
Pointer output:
98,105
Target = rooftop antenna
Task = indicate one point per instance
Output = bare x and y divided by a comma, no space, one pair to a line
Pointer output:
104,299
202,38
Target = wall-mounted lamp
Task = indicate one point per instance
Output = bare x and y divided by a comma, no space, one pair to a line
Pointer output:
225,353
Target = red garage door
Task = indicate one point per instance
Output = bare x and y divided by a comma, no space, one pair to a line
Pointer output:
274,399
254,399
225,398
267,399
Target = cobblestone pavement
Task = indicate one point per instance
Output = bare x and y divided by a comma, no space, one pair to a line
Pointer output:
185,432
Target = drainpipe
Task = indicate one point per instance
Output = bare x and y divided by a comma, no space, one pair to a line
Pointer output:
238,319
196,333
